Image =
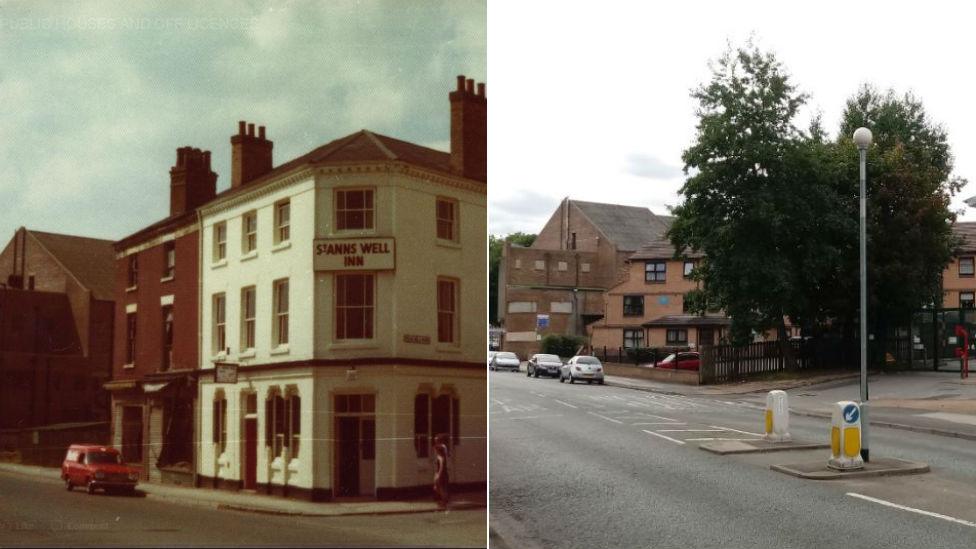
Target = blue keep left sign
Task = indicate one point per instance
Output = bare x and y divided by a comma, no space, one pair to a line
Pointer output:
851,413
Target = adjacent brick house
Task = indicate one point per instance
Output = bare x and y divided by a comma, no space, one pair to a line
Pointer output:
157,336
557,284
55,329
959,277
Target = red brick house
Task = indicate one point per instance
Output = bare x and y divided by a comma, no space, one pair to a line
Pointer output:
156,341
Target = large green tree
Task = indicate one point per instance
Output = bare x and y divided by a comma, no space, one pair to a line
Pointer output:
495,246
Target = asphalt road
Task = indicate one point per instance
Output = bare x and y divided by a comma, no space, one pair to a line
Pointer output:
36,511
593,466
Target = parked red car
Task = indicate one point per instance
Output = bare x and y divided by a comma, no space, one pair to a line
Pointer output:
681,361
94,466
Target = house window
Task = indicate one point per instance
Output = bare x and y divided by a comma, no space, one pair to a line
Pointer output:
280,322
248,316
518,263
966,266
220,241
584,267
689,267
540,265
249,230
435,416
967,300
219,323
562,266
294,423
169,259
572,242
655,271
633,305
354,209
447,210
447,317
130,339
133,270
633,338
282,222
167,337
354,306
220,422
677,337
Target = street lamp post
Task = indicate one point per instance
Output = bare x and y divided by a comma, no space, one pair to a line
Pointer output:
862,138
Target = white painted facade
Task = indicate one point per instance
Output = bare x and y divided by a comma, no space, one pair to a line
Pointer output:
402,359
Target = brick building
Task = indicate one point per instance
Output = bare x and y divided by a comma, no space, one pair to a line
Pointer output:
959,277
157,337
55,329
557,284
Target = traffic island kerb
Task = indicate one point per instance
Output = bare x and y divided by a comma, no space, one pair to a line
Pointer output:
877,467
726,447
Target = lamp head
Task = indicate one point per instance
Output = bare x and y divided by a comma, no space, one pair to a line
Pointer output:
862,138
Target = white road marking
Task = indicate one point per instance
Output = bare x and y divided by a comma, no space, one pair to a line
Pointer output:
663,436
660,423
690,430
714,438
565,403
539,395
527,417
605,417
736,430
912,509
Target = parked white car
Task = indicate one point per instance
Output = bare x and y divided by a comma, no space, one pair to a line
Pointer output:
491,356
505,361
582,368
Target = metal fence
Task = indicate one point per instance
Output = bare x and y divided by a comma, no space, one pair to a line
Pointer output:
724,363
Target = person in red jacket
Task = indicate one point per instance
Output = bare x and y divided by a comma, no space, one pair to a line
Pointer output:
441,480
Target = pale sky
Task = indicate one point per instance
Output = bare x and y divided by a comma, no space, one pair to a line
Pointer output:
591,100
96,97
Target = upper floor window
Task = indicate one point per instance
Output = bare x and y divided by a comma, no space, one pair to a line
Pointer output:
966,266
282,222
280,325
220,241
633,305
353,209
447,227
130,338
354,306
248,317
689,268
447,317
655,271
133,273
169,259
249,230
219,323
167,359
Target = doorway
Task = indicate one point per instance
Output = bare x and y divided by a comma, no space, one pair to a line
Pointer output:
355,474
250,475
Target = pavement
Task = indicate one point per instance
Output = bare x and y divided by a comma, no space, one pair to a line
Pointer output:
581,466
266,504
937,403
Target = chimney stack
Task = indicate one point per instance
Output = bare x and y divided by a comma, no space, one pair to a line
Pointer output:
250,156
191,181
469,129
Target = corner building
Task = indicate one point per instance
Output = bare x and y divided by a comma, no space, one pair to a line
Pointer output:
347,289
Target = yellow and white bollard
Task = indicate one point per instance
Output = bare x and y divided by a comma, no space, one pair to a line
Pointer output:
777,417
845,436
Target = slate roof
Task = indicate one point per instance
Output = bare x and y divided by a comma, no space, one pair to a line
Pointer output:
661,248
967,231
90,260
628,227
688,320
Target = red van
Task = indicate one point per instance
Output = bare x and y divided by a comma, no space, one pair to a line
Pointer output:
94,466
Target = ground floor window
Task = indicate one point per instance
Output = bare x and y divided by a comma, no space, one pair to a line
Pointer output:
220,421
677,336
435,416
966,300
633,338
283,422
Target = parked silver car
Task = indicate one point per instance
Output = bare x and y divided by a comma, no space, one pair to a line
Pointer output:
505,361
582,368
540,364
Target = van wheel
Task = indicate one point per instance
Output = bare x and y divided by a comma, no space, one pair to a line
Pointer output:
91,488
68,486
528,373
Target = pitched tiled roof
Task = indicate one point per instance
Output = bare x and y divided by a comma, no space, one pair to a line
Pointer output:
688,320
628,227
661,248
967,231
90,260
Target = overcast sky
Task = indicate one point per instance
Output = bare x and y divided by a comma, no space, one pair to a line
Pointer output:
592,101
96,98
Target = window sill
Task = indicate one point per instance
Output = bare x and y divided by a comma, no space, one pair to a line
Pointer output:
348,233
132,288
219,357
129,366
281,246
353,344
249,255
250,353
449,243
280,350
167,278
448,348
218,264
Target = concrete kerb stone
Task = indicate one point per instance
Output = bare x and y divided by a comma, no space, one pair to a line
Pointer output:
727,447
877,467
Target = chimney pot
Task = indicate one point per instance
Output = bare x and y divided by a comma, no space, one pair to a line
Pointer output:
250,130
470,88
481,89
240,127
261,132
460,81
